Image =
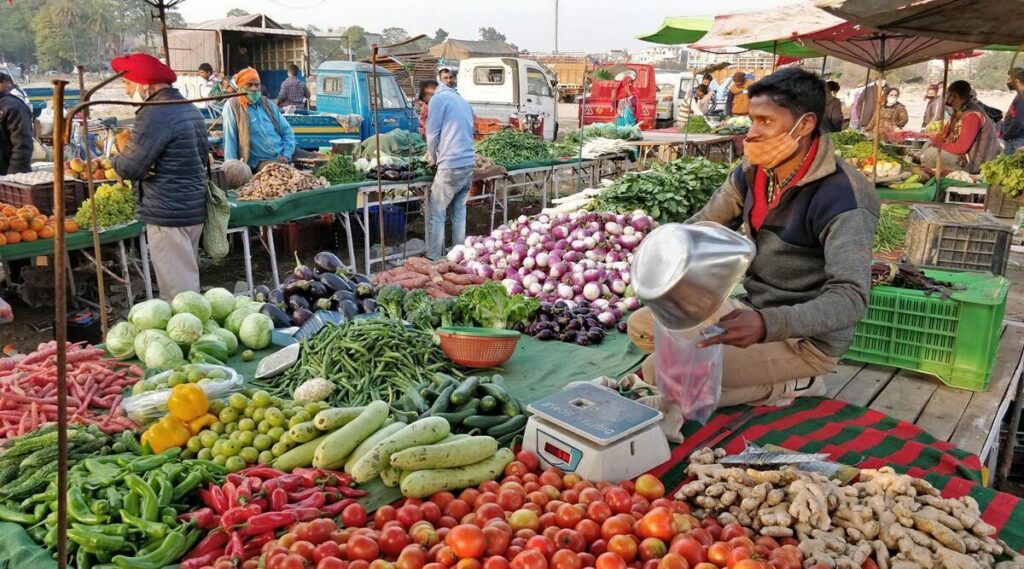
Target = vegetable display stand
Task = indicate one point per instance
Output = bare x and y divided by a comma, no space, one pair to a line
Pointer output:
40,195
954,339
1001,205
957,238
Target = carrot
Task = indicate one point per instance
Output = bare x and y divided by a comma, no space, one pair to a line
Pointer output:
12,361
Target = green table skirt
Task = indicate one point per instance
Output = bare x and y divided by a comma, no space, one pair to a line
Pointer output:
81,239
259,213
929,193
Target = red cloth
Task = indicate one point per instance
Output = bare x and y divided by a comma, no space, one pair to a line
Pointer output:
144,68
761,206
970,126
423,119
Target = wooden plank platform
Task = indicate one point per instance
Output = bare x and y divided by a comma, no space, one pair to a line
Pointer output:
968,420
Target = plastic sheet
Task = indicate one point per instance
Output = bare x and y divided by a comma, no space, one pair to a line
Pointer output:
688,375
152,405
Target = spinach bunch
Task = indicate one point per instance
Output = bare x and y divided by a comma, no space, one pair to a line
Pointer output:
669,193
340,169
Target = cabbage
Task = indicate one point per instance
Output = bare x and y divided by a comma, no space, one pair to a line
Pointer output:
121,340
144,338
242,301
255,331
184,328
162,353
149,315
221,302
192,303
228,338
234,320
209,326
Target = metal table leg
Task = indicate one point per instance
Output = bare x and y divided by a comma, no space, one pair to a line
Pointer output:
147,278
273,255
124,271
347,224
366,237
71,279
247,254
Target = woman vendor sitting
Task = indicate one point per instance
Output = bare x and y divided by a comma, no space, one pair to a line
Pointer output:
968,140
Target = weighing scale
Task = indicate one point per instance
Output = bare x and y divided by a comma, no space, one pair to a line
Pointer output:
596,433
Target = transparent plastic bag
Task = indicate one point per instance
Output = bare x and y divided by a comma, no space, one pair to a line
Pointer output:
6,314
689,376
151,405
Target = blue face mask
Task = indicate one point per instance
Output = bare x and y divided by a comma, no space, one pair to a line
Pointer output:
254,96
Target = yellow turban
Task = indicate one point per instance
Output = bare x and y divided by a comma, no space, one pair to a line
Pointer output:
244,76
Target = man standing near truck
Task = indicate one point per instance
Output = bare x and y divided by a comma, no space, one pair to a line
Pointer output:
15,130
450,148
446,77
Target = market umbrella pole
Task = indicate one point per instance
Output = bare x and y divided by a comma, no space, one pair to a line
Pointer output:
96,250
942,124
878,126
60,329
376,139
583,107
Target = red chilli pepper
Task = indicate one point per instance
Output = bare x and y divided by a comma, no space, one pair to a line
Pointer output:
262,472
306,514
300,495
214,542
254,546
220,501
351,492
269,521
243,495
288,482
313,501
238,515
235,478
256,484
336,508
205,560
204,518
278,499
236,547
309,476
231,493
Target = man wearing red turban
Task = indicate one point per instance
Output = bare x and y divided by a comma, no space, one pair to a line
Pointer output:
167,160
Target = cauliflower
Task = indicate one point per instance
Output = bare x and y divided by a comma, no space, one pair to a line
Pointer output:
312,390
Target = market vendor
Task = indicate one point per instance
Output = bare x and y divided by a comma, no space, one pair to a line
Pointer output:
933,105
968,139
15,130
813,219
1011,128
833,121
737,101
625,102
167,158
427,89
892,116
265,136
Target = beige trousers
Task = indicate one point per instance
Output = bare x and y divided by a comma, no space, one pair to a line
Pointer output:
175,254
749,375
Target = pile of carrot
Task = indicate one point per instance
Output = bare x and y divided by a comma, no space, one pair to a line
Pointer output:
439,280
28,389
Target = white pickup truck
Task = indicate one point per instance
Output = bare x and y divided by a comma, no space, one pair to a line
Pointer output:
507,88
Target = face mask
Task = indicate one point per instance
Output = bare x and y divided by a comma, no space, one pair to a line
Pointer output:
891,101
771,152
1010,86
137,96
254,96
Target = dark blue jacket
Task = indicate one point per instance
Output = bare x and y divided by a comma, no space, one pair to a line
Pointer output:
166,160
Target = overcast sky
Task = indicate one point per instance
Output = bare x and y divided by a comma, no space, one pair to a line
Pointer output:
584,25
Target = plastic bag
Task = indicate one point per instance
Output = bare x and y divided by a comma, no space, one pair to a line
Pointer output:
215,229
689,376
6,314
152,405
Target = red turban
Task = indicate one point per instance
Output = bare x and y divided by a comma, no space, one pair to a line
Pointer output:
144,68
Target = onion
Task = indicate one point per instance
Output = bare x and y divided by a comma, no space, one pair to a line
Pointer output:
578,245
529,263
559,232
558,269
513,287
533,239
631,302
601,304
591,276
616,312
541,259
541,275
534,289
549,286
529,279
589,243
629,242
577,278
618,286
564,291
561,245
613,228
641,222
577,290
628,230
607,319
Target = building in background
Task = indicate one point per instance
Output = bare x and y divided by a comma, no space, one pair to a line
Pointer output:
660,54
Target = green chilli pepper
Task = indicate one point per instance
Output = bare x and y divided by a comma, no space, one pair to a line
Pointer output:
150,503
163,555
94,541
14,516
152,529
79,509
190,483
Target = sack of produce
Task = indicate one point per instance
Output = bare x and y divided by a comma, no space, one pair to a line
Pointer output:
149,396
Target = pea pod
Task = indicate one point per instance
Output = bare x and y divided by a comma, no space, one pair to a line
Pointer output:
163,555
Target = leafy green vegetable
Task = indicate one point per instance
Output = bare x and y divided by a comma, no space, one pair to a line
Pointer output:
892,228
389,301
414,299
510,147
490,306
445,311
847,137
696,125
670,193
340,169
1005,171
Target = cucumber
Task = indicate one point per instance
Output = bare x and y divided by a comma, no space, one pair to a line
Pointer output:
465,391
303,432
423,483
461,414
423,432
441,403
365,446
390,477
496,391
338,445
298,457
418,402
484,421
332,419
488,404
445,454
499,380
510,426
512,407
442,380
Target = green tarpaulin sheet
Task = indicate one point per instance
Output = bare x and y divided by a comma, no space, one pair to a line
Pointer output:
81,239
18,551
926,194
332,199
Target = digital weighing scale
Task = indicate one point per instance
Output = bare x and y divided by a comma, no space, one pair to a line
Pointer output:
596,433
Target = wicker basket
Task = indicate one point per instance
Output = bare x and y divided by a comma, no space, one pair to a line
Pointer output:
1000,205
478,347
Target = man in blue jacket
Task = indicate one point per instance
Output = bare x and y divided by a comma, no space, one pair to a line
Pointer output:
166,158
450,147
255,131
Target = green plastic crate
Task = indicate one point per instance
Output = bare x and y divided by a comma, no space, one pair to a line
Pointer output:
955,339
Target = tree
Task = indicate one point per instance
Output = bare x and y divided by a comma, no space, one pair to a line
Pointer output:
393,35
491,34
440,35
18,45
237,12
991,70
354,41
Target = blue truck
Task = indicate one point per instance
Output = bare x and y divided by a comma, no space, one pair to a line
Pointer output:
346,88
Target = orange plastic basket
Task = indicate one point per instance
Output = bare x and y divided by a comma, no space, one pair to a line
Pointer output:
478,347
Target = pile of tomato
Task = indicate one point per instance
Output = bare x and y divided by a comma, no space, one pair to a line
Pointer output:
531,519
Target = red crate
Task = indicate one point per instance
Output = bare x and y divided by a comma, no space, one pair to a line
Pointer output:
303,235
41,195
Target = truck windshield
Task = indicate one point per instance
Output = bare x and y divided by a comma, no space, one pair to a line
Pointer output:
391,96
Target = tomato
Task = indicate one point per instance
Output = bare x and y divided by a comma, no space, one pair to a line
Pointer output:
598,547
627,485
588,559
551,477
624,546
490,512
589,530
553,505
570,496
442,499
381,564
496,562
738,554
538,497
456,509
609,560
466,541
547,520
530,559
712,526
742,541
288,539
291,561
469,495
412,557
702,536
383,515
673,561
658,523
618,500
354,516
430,511
569,515
359,564
303,548
551,532
510,500
565,559
752,564
446,556
599,511
704,565
869,564
329,563
496,540
649,564
571,540
361,547
691,550
485,498
542,544
650,487
447,522
393,540
319,530
652,548
528,459
433,566
571,479
732,530
615,526
468,564
326,549
718,553
588,496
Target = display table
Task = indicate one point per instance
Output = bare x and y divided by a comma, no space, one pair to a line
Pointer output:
669,144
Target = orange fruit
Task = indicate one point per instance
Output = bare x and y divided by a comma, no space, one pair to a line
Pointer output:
18,224
4,224
13,237
3,240
46,232
31,209
70,226
37,223
29,235
9,211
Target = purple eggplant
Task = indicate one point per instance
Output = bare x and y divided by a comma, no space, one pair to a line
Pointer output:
278,316
327,262
298,302
365,290
300,316
317,289
302,271
276,297
368,305
348,308
261,293
299,286
332,281
324,304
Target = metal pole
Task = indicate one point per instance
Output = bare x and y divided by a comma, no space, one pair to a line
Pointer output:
163,31
942,121
878,127
556,26
96,250
60,328
376,138
824,60
583,106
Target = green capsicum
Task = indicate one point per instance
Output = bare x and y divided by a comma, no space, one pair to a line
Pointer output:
94,541
133,503
150,506
167,553
99,507
152,529
79,510
169,516
147,463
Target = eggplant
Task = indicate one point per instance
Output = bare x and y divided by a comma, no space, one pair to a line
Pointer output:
561,305
361,278
546,335
300,316
348,308
391,175
594,337
582,340
276,297
318,289
622,326
279,317
369,305
519,327
583,304
326,262
302,271
596,330
569,336
545,307
261,293
332,281
573,325
297,302
365,290
343,295
299,286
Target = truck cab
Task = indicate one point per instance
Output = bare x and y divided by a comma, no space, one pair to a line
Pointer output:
509,89
346,88
600,106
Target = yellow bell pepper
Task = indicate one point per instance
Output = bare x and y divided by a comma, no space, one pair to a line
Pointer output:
198,424
166,433
188,401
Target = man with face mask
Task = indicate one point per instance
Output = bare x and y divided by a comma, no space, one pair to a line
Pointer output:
1011,128
255,131
813,219
446,77
933,107
166,158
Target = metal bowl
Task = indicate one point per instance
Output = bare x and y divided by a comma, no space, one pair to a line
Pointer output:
685,272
